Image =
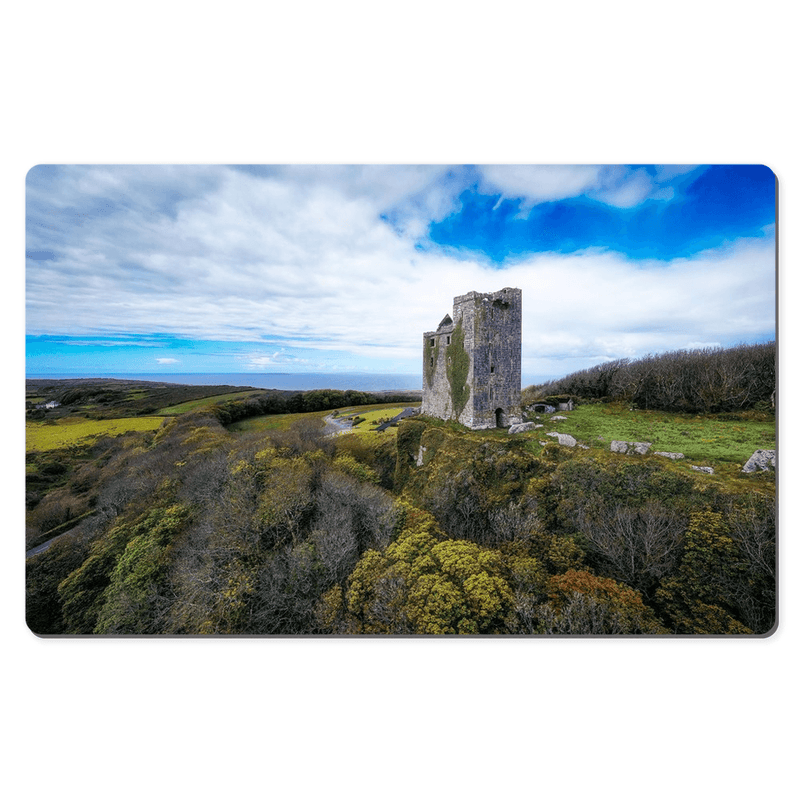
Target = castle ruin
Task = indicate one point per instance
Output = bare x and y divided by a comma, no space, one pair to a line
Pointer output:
472,363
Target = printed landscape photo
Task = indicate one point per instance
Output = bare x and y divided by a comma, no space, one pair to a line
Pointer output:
533,400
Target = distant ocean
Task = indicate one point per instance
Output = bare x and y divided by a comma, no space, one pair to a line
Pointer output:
360,381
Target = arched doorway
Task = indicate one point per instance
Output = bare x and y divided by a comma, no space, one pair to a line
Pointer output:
499,418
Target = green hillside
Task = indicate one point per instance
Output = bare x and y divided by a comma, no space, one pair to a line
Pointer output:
223,520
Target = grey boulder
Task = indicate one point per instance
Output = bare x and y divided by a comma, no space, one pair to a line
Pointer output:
630,447
761,459
707,470
521,427
564,438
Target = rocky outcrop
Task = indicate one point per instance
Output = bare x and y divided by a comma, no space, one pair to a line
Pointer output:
564,438
556,419
673,456
521,427
707,470
763,460
630,448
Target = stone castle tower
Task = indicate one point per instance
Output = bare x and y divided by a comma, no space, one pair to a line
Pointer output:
472,363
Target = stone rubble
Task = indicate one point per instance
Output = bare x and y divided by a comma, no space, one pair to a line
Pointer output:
521,427
630,447
563,438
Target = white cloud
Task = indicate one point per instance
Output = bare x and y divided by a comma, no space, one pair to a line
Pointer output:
618,186
600,305
311,263
259,360
539,183
624,188
168,361
666,172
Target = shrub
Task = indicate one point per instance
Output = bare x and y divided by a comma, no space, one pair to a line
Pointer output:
581,603
691,381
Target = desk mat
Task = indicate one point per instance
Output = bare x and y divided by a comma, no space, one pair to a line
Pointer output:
534,400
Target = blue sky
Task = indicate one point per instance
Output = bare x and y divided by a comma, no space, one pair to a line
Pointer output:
185,269
706,207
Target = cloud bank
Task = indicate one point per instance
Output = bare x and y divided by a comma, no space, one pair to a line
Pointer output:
293,260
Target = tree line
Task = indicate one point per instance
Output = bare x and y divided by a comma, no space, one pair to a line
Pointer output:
112,398
701,381
282,402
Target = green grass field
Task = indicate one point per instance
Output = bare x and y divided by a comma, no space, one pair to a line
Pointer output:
41,436
272,422
371,419
204,402
282,422
705,439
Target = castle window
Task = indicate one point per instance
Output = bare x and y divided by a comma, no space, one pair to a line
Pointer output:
431,342
431,360
491,369
448,340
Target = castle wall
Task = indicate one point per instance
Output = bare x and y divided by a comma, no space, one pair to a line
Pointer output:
436,398
472,364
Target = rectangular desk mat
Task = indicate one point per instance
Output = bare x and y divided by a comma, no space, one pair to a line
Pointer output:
535,401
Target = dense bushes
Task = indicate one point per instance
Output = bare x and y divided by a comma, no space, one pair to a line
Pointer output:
203,532
43,574
625,521
477,490
693,381
719,586
583,604
423,583
301,402
195,530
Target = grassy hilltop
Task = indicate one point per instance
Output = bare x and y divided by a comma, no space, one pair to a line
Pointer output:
231,511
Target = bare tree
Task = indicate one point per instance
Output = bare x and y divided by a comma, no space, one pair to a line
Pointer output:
585,615
636,545
703,380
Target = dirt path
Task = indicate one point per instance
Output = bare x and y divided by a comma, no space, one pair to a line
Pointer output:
406,412
40,548
335,426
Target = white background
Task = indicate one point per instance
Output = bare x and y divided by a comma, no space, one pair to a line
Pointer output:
412,82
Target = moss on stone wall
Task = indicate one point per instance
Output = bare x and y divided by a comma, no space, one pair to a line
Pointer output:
480,315
458,370
430,363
